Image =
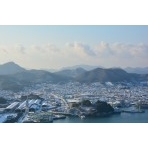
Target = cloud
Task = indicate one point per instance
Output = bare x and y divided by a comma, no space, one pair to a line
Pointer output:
103,49
51,47
43,49
81,48
109,54
50,56
19,48
121,50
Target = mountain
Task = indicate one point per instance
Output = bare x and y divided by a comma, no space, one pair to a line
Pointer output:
39,76
137,70
50,70
86,67
30,77
10,68
71,72
15,78
108,75
7,82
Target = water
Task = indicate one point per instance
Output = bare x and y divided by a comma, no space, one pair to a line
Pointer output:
116,118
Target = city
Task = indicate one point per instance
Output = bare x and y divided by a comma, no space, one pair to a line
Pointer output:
50,102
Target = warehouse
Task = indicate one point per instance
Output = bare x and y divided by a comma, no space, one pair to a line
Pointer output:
21,107
12,107
35,106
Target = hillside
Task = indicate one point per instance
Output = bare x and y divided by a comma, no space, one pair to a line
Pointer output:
16,78
105,75
71,72
27,78
86,67
137,70
40,76
10,68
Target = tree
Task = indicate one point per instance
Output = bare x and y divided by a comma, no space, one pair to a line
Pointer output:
75,105
86,103
3,100
103,107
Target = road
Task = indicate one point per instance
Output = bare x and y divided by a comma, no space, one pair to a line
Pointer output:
57,97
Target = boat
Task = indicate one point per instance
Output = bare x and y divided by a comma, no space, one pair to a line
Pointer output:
144,105
82,116
30,121
134,111
46,119
56,117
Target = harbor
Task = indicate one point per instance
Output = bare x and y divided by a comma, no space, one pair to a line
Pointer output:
116,118
76,102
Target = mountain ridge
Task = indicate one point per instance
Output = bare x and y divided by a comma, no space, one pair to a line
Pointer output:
138,70
71,72
24,78
86,67
10,68
105,75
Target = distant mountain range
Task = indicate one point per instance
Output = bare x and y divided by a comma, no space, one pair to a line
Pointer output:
85,67
10,68
137,70
18,78
109,75
71,72
13,77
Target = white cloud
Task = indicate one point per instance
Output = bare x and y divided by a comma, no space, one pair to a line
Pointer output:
51,47
103,49
121,50
81,49
51,56
19,48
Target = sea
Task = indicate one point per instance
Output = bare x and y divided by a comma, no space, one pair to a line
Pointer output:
115,118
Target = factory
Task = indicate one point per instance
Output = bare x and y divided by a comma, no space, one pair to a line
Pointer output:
33,105
11,107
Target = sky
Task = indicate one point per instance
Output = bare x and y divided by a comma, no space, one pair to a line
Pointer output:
57,46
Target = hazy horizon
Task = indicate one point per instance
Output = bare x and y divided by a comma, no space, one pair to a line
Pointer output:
85,66
55,47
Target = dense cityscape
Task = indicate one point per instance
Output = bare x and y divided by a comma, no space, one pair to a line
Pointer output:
49,102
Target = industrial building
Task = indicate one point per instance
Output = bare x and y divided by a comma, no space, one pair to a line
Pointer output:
12,107
32,105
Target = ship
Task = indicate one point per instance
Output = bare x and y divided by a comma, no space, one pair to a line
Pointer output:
46,119
133,110
56,117
144,105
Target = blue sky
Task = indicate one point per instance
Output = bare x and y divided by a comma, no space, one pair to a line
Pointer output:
60,46
82,33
